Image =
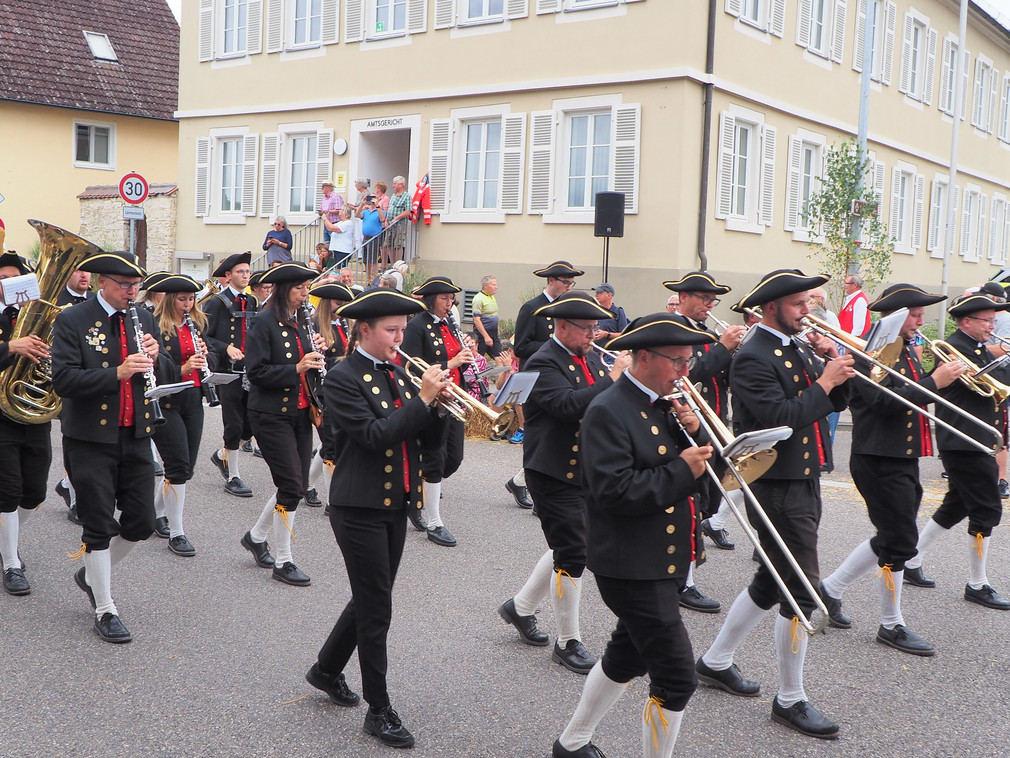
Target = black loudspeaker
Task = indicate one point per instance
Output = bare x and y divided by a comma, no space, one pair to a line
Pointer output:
609,214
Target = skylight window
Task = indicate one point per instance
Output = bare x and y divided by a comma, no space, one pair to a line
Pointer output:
101,47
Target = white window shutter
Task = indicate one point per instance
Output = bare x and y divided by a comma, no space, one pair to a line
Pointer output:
513,150
965,227
946,73
890,18
254,27
354,20
768,136
417,16
541,192
517,9
983,201
201,184
993,94
857,46
627,138
964,78
838,31
268,174
777,19
920,196
445,14
732,7
793,210
927,88
994,228
553,6
724,177
976,97
438,163
206,46
935,211
906,53
275,26
878,180
250,159
330,30
804,9
1003,129
1005,242
324,161
892,219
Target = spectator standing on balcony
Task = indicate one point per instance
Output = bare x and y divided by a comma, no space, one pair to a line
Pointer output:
361,189
397,216
278,242
382,203
485,316
341,237
329,208
372,218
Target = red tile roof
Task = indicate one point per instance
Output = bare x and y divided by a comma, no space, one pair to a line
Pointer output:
45,59
103,191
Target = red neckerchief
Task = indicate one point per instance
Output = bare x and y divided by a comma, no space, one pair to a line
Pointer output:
188,350
926,444
398,403
452,348
125,386
580,360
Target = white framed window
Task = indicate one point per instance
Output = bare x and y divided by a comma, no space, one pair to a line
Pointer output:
234,26
936,235
94,145
998,227
918,58
301,176
306,22
294,163
230,28
225,178
587,153
820,27
947,71
463,13
559,6
481,164
230,177
1003,117
383,19
973,211
484,10
984,91
746,171
807,151
388,17
907,195
300,25
883,39
766,15
101,47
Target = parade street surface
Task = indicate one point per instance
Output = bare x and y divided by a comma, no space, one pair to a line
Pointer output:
220,650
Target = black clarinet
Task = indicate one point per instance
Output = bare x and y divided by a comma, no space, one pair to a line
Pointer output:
149,378
209,390
467,373
314,387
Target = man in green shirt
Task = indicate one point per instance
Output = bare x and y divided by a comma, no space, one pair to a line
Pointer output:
485,315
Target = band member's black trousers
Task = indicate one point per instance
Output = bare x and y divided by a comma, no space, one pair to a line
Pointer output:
285,439
973,492
110,476
325,432
562,512
891,489
25,455
371,541
234,414
178,439
441,450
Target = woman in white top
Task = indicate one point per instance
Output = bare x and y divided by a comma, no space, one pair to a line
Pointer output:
341,236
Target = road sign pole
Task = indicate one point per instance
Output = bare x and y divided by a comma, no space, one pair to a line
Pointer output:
133,237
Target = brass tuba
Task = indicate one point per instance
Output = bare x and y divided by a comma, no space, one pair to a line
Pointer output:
211,289
26,388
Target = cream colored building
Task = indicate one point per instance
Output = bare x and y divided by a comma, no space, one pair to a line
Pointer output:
522,109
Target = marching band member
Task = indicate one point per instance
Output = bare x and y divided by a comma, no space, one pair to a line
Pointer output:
377,416
78,289
26,449
433,337
571,376
776,381
261,291
98,370
639,475
973,492
279,357
228,318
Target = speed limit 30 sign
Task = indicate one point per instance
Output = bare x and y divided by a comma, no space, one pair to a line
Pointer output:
133,189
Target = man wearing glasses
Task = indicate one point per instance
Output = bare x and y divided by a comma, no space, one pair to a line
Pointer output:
854,316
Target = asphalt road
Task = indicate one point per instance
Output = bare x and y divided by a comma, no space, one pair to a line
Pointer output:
219,654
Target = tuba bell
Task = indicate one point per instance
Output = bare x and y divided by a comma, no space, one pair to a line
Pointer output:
26,388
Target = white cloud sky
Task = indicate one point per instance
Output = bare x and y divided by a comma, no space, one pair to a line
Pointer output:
176,6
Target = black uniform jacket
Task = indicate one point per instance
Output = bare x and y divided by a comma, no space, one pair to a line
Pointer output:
636,487
335,352
985,408
6,332
271,359
711,369
171,348
422,338
224,324
67,297
531,331
555,409
85,356
773,385
369,434
881,424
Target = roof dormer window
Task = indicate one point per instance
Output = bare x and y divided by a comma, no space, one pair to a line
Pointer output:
101,46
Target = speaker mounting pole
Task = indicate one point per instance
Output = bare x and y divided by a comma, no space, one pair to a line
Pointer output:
609,222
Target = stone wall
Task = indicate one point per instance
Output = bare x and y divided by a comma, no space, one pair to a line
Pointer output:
102,223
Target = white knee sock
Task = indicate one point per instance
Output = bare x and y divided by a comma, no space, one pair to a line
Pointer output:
598,697
790,650
534,592
159,498
519,480
25,515
230,458
660,728
316,468
432,494
721,517
689,582
70,488
743,616
282,536
266,521
119,549
565,599
175,499
861,560
9,530
978,551
889,592
98,573
930,533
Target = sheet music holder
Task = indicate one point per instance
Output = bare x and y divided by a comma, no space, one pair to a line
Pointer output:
517,388
215,378
167,389
756,441
886,331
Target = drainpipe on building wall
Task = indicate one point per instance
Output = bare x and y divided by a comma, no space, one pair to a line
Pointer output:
706,140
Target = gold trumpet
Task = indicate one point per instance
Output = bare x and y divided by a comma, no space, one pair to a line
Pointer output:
603,351
986,386
213,288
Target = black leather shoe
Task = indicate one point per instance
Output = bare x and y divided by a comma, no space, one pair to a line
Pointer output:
440,536
729,679
158,471
386,725
289,573
257,453
1004,489
246,447
693,598
182,546
805,719
63,492
574,657
15,582
525,625
521,494
836,618
916,578
161,527
260,551
904,639
237,487
73,518
986,596
312,498
334,686
219,464
589,750
111,629
80,581
720,537
416,516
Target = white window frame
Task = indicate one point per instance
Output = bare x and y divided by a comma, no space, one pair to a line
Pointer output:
1003,117
275,170
211,31
945,99
92,125
292,21
279,22
574,6
101,47
372,9
918,58
207,184
238,167
760,180
996,250
907,199
767,16
936,234
832,44
241,50
972,213
800,144
883,39
984,91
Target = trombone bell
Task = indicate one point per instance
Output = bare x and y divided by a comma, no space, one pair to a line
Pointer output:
751,466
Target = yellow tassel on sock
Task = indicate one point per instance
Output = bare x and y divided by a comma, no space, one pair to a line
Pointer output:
653,708
561,590
798,633
885,571
979,543
284,517
79,554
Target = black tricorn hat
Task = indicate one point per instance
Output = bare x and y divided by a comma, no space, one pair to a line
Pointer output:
15,260
119,263
969,304
333,291
557,270
657,330
899,296
377,302
575,304
436,285
289,272
697,281
153,278
231,262
167,282
779,283
257,278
